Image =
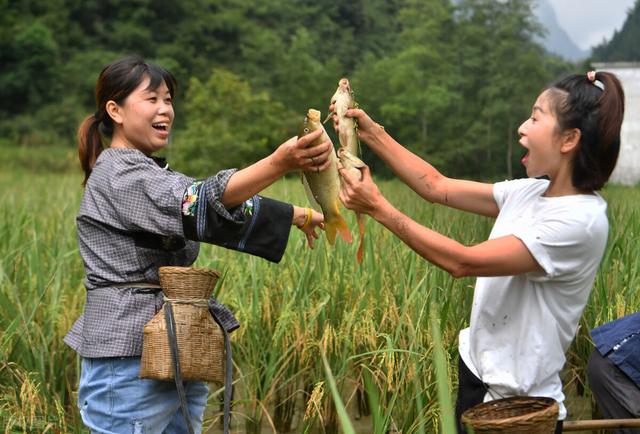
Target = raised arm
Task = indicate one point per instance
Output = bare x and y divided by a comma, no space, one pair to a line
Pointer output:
294,154
497,257
421,176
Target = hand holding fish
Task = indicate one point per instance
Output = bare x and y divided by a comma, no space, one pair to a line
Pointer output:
367,127
360,195
307,220
300,153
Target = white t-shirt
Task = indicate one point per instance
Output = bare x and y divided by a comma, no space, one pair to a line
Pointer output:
522,325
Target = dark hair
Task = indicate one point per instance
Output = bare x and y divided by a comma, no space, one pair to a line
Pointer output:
581,103
115,83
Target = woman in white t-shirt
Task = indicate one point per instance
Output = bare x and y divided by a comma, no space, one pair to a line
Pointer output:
537,268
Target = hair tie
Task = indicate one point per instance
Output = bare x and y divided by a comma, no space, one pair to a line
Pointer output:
591,76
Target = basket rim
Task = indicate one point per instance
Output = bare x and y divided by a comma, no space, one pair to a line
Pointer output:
169,270
470,415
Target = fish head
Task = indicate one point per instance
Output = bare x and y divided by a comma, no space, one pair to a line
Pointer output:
350,162
343,96
343,85
311,122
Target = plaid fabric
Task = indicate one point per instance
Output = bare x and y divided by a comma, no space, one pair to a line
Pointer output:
129,225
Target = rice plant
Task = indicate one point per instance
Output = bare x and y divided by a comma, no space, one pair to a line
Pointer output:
324,342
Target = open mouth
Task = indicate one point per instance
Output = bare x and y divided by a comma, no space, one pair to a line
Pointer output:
161,126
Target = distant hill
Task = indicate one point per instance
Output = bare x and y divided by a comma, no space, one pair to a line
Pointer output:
624,46
557,40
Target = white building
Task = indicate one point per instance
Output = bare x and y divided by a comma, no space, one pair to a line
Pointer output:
627,170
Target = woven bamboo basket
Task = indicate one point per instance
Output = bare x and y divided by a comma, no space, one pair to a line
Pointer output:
200,340
515,415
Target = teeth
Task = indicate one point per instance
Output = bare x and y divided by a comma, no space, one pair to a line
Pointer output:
160,125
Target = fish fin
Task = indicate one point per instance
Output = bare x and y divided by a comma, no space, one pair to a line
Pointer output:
328,117
338,226
312,199
360,219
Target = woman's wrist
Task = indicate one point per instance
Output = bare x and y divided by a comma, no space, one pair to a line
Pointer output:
301,216
381,209
277,163
379,135
374,138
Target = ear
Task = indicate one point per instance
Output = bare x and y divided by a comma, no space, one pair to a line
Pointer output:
114,111
570,140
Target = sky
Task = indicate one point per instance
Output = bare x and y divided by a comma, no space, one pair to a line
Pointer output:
588,22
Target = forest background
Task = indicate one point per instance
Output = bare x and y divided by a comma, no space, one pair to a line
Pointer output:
451,81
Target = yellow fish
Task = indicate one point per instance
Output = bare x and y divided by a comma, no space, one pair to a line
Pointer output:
323,187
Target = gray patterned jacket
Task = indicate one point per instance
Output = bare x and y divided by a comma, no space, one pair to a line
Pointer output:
136,216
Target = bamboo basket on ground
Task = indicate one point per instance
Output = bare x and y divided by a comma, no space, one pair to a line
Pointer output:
200,340
515,415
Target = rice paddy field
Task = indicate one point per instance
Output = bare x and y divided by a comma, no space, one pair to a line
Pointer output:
315,323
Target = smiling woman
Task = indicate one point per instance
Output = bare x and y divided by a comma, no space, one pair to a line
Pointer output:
130,95
138,215
145,119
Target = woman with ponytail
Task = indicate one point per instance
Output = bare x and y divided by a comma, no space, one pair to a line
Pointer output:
137,215
536,271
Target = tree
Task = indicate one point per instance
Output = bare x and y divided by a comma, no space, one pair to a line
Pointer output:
623,46
413,88
228,125
504,71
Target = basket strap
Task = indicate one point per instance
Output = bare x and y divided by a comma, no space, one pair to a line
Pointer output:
223,316
173,344
227,322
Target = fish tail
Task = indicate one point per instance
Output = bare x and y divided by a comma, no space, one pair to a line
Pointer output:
337,225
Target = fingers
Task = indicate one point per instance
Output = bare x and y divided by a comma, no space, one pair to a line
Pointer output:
305,141
354,113
357,113
323,166
366,173
347,178
318,157
317,221
321,151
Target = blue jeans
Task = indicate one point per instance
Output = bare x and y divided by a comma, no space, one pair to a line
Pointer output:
114,400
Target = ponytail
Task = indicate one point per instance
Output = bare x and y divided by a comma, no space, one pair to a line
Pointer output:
594,104
116,81
89,145
611,114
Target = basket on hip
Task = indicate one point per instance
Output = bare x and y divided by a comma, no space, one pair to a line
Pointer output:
200,340
515,415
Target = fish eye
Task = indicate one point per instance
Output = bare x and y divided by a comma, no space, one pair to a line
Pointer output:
306,130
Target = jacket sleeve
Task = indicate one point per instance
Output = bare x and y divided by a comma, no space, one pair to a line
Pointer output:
260,226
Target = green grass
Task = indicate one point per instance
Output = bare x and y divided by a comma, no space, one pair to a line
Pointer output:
315,328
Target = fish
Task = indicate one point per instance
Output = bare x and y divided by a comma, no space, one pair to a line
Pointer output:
353,164
350,162
323,187
343,99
